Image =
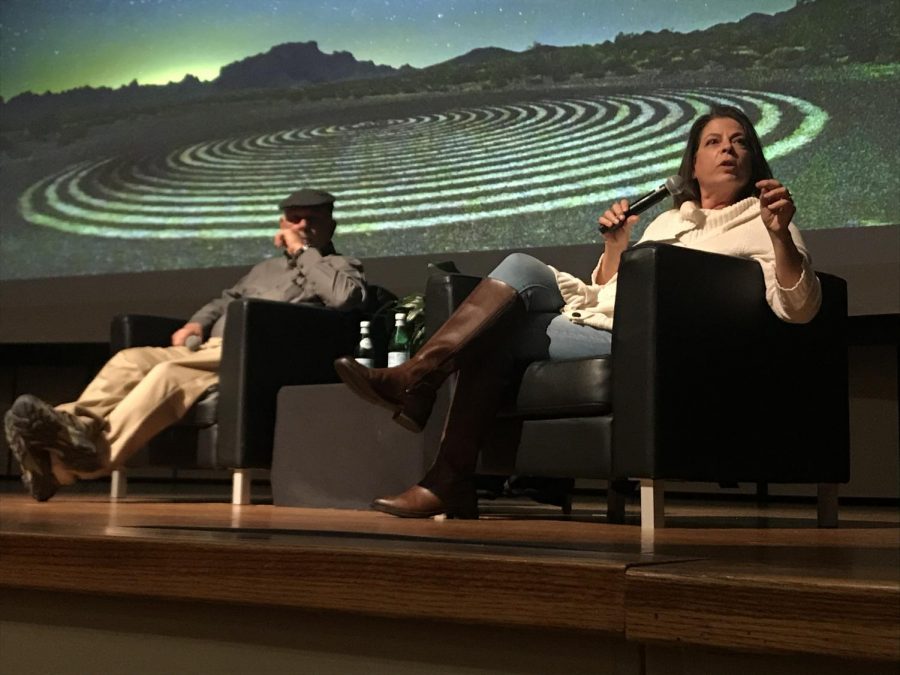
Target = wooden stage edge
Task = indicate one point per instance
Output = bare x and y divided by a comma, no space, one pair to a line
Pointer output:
737,577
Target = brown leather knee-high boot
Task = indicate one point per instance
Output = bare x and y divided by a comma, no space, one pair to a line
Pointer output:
448,486
409,389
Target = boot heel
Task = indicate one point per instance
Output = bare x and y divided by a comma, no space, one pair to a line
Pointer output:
464,504
462,514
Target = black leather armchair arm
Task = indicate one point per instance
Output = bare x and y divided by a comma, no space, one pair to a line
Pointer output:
708,384
268,345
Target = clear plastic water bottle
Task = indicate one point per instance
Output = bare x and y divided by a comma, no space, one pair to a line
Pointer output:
398,347
365,350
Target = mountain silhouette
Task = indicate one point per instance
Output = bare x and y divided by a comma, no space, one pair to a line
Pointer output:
477,56
824,26
812,33
295,64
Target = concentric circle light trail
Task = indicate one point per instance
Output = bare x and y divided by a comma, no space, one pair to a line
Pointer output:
476,164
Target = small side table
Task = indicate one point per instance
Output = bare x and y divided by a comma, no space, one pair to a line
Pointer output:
334,450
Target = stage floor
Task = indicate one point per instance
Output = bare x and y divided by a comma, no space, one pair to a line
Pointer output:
732,575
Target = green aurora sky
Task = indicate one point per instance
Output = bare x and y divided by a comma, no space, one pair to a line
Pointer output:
54,45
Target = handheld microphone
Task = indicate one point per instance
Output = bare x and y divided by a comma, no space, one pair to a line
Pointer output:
673,186
193,342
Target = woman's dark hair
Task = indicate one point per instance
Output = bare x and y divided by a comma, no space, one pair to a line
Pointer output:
759,167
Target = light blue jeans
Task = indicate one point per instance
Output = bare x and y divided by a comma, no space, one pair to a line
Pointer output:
545,333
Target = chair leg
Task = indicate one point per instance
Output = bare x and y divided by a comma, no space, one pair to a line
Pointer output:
615,503
240,486
652,505
828,504
118,485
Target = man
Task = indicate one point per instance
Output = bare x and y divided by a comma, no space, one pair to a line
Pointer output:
141,391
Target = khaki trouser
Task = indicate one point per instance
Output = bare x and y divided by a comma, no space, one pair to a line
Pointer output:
138,393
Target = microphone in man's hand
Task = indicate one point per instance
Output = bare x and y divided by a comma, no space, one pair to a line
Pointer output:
193,342
673,186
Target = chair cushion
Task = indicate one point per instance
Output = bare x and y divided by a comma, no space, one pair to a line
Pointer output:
570,388
203,412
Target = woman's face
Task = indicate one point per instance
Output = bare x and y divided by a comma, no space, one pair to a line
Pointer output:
722,162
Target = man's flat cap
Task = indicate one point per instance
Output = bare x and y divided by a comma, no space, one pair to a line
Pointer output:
307,197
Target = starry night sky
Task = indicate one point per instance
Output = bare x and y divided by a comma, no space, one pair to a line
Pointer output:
53,45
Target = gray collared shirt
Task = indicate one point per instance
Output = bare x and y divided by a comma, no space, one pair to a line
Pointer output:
319,277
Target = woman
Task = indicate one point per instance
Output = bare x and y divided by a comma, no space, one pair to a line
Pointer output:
731,205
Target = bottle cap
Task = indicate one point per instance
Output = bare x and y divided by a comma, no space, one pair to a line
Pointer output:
363,324
400,315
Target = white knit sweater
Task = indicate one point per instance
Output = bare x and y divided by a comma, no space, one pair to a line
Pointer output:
736,230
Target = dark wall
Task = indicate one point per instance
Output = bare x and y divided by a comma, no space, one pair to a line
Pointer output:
78,309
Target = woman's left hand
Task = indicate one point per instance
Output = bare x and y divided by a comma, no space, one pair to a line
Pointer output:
776,206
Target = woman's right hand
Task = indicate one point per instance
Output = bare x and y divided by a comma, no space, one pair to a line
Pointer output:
613,217
615,240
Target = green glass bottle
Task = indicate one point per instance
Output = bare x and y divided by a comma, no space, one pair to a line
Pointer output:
398,347
365,350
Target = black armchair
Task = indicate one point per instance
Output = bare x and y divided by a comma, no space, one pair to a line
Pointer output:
704,383
267,345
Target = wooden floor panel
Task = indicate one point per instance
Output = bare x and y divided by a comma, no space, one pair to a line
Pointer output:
838,608
732,575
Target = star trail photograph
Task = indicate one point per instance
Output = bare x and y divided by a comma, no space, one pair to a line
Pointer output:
442,125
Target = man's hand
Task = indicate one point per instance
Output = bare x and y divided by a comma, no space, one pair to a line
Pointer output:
290,236
776,206
183,333
304,227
